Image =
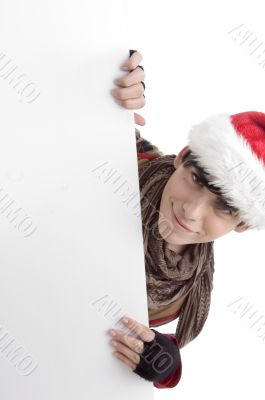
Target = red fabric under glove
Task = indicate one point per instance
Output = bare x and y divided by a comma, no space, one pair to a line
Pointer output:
173,379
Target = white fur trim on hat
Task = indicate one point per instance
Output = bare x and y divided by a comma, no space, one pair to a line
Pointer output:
221,151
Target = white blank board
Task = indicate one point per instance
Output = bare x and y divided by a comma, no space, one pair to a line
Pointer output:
71,258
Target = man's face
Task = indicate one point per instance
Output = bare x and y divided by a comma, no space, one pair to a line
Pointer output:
194,205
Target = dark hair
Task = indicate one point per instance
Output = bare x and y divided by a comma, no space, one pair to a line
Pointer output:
189,159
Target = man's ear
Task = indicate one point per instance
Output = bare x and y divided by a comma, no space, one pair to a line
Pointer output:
177,160
241,228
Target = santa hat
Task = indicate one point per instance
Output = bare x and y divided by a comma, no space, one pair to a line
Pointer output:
232,149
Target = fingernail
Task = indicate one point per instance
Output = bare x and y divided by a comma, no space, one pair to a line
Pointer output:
125,320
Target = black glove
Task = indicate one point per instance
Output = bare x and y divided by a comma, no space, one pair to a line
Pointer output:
159,359
140,66
132,51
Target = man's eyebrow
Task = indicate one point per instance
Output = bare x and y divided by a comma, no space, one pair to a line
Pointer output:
221,202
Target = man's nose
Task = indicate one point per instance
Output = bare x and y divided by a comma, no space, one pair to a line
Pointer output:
194,210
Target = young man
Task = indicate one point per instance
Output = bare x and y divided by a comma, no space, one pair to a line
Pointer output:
187,201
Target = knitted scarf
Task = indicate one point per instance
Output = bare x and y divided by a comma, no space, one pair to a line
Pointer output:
170,276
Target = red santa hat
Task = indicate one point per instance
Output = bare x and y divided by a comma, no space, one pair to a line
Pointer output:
232,149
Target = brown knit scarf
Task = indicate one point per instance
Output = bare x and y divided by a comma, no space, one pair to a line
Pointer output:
170,276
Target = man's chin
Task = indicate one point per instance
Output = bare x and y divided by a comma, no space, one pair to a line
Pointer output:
165,231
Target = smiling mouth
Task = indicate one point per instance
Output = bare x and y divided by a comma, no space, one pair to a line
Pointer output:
178,225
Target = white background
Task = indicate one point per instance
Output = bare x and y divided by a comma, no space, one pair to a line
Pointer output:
195,68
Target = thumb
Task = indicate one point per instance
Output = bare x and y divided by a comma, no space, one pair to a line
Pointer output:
138,119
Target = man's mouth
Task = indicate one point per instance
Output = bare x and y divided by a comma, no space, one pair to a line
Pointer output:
178,224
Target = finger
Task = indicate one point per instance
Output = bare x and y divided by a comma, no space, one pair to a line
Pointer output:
143,332
134,77
132,104
127,352
132,92
132,343
125,360
132,62
139,120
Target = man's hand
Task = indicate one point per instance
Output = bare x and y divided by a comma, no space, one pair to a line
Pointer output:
129,347
130,91
150,354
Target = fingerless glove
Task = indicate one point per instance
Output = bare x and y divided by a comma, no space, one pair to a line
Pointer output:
159,359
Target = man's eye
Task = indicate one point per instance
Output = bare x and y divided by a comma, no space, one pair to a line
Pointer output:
226,209
197,179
